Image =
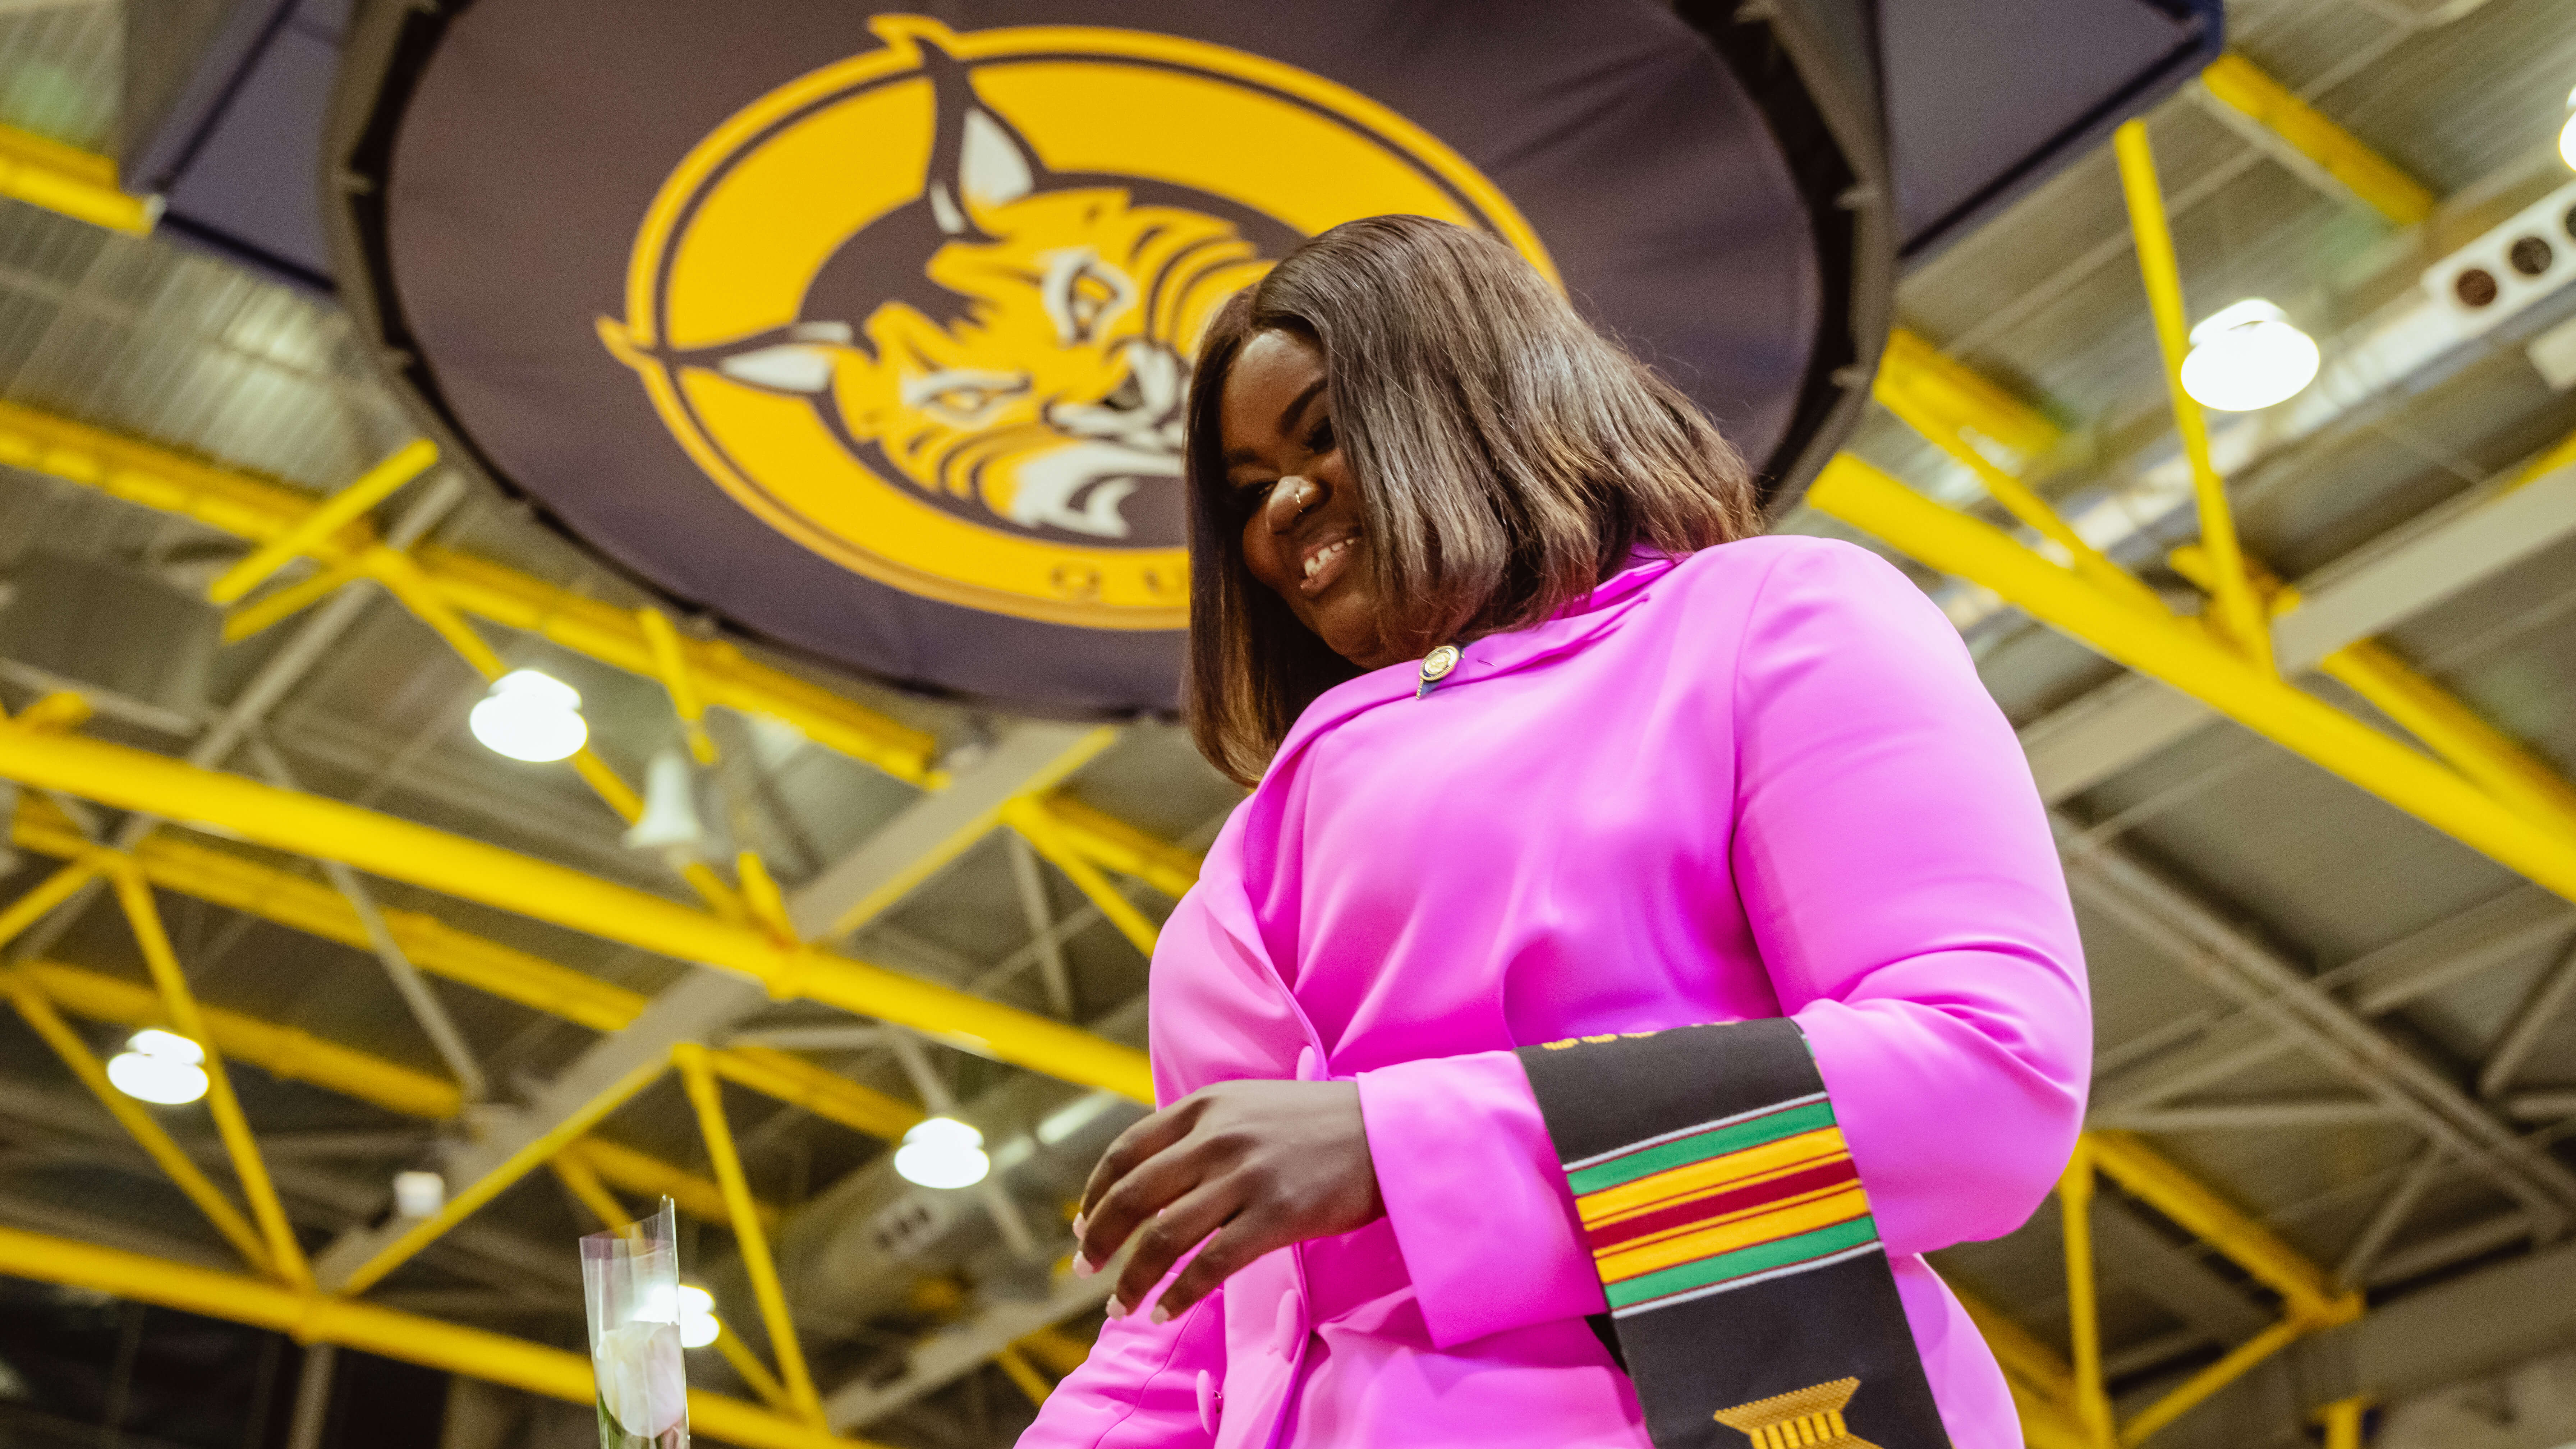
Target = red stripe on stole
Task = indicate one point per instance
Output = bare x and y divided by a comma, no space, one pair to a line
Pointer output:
1720,1205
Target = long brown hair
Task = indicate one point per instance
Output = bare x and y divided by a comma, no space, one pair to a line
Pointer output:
1509,458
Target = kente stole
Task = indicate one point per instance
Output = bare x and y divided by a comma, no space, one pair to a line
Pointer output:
1749,1296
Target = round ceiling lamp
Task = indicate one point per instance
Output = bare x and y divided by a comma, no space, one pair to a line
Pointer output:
2246,357
530,715
942,1152
160,1067
698,1326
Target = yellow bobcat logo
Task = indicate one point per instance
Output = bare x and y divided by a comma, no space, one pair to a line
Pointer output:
929,311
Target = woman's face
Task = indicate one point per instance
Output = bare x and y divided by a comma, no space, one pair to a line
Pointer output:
1304,537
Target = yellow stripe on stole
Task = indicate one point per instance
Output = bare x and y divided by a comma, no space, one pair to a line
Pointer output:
1777,1205
1694,1179
1836,1207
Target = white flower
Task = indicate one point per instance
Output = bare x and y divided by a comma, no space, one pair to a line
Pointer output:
642,1380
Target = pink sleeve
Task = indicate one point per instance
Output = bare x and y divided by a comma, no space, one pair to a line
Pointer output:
1895,864
1456,1141
1139,1389
1896,868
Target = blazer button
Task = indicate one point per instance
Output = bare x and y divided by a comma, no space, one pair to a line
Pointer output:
1209,1398
1292,1324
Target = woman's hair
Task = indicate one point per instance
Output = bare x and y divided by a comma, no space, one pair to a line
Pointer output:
1509,458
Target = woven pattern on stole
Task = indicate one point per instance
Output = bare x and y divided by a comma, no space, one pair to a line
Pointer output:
1748,1291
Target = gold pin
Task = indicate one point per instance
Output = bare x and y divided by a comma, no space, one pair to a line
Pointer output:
1436,666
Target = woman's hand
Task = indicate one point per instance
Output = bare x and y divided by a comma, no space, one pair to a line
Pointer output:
1247,1167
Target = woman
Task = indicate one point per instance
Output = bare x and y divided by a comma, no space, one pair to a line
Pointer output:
1641,944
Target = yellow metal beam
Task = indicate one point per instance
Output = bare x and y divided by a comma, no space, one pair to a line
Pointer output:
647,1176
2239,616
2304,1286
2190,1392
1037,824
753,1372
2044,1425
2188,659
1113,844
464,1204
2560,454
301,903
76,183
285,1254
2373,179
2091,1402
1915,377
284,1052
2023,1356
749,1239
957,842
281,604
1024,1375
50,892
1952,408
148,1134
324,519
435,860
672,666
260,509
2496,761
2342,1420
495,1358
582,1181
825,1093
1058,1350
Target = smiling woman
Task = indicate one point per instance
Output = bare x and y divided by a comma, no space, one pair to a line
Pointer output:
1642,941
1394,350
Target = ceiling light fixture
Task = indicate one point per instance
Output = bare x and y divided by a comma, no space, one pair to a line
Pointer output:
698,1326
2567,133
419,1194
159,1067
2248,356
530,715
942,1152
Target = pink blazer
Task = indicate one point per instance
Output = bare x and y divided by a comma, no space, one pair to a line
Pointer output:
1762,780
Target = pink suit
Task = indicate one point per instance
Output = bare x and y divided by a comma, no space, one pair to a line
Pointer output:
1761,780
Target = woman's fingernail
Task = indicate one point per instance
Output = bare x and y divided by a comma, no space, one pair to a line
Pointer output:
1117,1309
1077,1225
1162,1314
1082,1267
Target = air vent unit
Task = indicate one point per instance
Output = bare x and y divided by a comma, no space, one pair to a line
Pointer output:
2506,271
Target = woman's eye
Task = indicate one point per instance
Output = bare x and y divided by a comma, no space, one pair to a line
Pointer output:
1321,440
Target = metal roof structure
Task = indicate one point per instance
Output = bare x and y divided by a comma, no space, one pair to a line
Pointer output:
2328,921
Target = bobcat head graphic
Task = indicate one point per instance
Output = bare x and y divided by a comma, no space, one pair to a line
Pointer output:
1013,344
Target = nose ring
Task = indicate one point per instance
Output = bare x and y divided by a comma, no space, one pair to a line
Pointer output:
1304,493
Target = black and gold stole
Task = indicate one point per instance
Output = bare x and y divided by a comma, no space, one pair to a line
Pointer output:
1748,1292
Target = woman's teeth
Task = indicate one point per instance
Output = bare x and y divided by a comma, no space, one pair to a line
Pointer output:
1322,556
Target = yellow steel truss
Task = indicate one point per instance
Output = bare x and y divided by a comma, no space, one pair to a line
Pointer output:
2378,182
76,183
749,1238
2185,656
285,1254
435,860
259,509
2239,617
320,1318
38,1012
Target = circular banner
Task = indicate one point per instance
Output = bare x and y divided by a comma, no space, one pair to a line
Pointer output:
867,332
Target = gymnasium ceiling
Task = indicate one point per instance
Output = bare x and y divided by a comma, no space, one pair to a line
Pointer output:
2211,858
